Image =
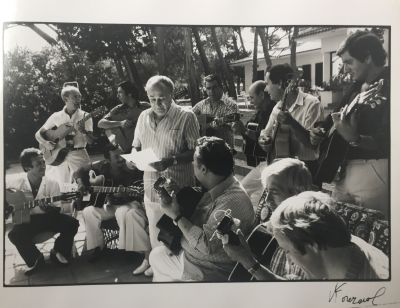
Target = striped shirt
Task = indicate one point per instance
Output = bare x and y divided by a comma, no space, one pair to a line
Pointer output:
367,262
224,107
306,110
62,117
204,256
176,133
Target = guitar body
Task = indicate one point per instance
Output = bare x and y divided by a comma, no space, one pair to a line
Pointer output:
121,135
57,135
16,198
249,146
98,199
203,120
263,246
333,151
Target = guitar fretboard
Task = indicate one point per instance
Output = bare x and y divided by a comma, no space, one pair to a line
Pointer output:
114,190
31,204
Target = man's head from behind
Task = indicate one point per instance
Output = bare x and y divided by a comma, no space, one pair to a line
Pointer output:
285,178
213,85
213,157
112,152
307,224
32,160
359,52
257,96
127,89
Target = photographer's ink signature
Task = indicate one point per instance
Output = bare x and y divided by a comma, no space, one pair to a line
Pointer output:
333,296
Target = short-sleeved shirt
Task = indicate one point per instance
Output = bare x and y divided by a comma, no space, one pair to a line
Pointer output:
176,133
306,110
224,107
61,117
123,109
204,256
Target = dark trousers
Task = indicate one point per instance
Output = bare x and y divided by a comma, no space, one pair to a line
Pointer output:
21,235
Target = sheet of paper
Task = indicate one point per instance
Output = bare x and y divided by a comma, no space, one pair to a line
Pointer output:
142,159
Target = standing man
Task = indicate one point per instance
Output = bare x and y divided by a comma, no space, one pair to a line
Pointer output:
254,153
218,106
302,111
171,132
44,217
81,135
202,257
120,122
364,176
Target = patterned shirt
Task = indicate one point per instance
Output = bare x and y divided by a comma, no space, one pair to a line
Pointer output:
176,133
123,109
204,257
306,110
62,117
367,262
224,107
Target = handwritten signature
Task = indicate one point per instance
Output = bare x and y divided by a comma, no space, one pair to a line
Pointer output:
352,299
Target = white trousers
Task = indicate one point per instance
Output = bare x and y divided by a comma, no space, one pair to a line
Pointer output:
252,183
131,219
166,267
364,183
154,214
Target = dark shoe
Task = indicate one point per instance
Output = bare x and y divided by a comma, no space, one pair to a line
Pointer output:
38,264
96,255
58,258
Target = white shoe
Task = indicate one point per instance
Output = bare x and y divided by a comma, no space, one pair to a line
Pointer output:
149,272
142,268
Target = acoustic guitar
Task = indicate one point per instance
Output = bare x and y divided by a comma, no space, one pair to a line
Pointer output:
124,136
58,134
333,149
207,118
188,198
19,203
280,135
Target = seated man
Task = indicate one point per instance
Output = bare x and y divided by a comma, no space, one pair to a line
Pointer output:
44,218
202,257
315,238
132,237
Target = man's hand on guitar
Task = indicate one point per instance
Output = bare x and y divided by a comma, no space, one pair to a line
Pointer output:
282,117
80,127
265,143
172,186
240,253
45,207
163,164
171,209
126,124
347,128
317,135
238,127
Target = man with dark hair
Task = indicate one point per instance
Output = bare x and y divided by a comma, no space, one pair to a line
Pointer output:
363,178
132,236
218,106
250,133
315,238
45,217
120,122
202,257
301,112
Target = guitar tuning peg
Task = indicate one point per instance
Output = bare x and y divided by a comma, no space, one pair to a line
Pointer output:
378,101
373,104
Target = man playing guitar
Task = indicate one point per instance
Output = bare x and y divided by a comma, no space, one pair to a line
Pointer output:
251,132
218,106
78,137
132,237
363,176
301,112
122,119
45,217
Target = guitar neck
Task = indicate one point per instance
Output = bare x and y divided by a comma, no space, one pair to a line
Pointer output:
112,190
31,204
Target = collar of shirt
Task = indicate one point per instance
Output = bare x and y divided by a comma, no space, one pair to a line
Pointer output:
220,188
220,101
75,113
299,100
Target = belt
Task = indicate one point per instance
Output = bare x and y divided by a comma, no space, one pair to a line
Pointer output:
75,149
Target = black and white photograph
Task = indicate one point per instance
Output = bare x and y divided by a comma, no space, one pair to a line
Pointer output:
165,155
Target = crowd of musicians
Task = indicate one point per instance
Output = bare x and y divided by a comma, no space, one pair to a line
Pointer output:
281,193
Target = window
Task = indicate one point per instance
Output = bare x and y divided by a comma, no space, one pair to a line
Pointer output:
318,74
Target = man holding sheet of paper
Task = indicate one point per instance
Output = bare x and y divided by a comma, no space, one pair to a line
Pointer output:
171,132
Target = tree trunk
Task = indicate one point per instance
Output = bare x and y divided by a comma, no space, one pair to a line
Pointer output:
235,45
127,69
264,42
293,44
131,64
160,50
255,53
224,66
118,65
203,57
42,34
194,91
241,40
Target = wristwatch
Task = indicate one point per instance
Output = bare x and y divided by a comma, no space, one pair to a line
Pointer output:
357,142
177,219
175,161
254,269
